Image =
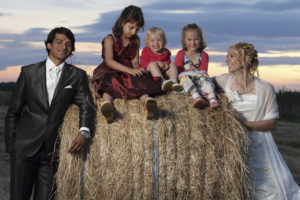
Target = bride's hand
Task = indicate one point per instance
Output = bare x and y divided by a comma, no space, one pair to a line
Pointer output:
236,115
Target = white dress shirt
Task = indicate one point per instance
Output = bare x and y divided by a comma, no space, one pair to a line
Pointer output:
53,74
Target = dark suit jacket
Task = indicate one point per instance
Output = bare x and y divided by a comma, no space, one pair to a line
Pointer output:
30,122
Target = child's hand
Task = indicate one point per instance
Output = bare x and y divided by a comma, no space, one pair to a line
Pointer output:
137,71
163,65
193,68
160,64
166,66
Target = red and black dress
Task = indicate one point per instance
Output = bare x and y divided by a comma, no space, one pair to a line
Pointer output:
120,84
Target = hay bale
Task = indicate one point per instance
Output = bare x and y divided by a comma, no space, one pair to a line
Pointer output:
184,153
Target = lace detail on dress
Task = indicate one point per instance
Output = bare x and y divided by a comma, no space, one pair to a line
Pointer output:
188,64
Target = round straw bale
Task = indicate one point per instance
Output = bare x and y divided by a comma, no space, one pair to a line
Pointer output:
184,153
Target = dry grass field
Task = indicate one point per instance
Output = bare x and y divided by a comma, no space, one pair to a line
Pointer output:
4,160
287,137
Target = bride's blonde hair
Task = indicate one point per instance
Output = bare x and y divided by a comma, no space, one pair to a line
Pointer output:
248,56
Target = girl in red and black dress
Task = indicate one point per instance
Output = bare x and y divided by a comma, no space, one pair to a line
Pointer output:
120,75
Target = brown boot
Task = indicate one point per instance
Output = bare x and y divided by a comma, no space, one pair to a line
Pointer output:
151,106
107,110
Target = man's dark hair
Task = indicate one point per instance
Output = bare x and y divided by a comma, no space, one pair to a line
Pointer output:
62,30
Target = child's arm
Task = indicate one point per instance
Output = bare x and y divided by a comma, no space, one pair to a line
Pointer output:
204,61
144,58
109,58
179,61
135,62
165,63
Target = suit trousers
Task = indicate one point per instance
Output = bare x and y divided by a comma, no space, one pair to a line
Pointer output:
29,172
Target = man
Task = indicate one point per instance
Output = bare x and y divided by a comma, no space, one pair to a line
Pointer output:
42,96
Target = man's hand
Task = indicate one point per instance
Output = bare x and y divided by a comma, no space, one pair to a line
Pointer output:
78,144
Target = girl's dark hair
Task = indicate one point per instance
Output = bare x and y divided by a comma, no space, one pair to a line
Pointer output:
62,30
197,28
131,14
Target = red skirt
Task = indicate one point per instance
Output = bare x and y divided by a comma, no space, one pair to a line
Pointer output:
127,86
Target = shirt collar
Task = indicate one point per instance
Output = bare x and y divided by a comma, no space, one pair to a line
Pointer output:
50,65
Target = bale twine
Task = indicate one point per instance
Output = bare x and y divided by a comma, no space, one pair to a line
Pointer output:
185,153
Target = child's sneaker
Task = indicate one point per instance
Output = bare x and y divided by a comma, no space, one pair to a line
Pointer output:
151,106
213,103
107,111
199,102
167,85
177,87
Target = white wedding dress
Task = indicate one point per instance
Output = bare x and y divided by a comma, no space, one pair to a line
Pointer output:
269,174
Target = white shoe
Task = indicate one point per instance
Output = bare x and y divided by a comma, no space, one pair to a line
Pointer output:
167,85
177,87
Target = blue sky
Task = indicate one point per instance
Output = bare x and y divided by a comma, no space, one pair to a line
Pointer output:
273,26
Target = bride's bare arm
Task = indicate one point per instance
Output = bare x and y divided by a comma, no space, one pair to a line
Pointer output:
263,125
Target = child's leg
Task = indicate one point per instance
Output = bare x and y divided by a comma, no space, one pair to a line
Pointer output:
150,105
155,71
198,102
172,73
144,97
107,107
187,83
190,87
208,89
107,97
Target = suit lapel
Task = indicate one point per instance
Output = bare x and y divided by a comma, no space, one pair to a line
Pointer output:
42,79
61,82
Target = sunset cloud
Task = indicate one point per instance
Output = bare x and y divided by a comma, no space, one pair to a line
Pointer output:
271,25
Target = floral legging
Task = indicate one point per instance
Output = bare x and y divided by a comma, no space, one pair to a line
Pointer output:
197,81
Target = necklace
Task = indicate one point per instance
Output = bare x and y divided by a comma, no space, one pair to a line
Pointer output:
241,90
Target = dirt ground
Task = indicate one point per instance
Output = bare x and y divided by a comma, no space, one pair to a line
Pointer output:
287,137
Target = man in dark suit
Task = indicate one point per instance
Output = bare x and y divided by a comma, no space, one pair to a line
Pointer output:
43,93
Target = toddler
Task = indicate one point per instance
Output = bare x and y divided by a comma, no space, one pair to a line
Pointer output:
155,58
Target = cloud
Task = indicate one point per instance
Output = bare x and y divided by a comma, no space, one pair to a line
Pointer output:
278,6
5,14
279,61
204,6
269,25
16,49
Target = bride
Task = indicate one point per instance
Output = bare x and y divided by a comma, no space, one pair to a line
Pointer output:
255,101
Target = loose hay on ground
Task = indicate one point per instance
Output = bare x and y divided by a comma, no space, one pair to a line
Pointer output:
199,154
